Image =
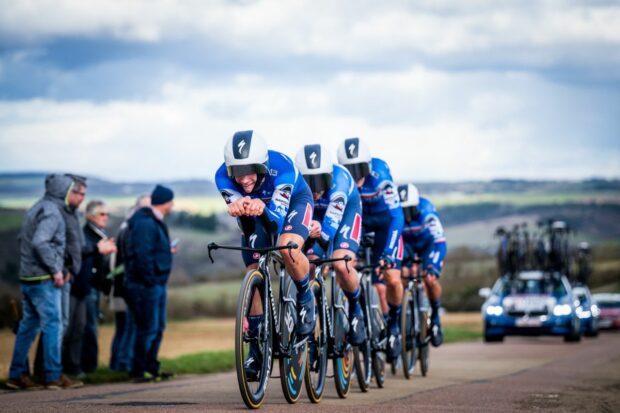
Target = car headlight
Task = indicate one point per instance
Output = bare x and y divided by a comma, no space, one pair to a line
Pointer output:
562,309
495,310
581,313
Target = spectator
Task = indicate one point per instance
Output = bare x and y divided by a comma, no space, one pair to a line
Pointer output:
42,249
121,354
148,260
72,255
95,265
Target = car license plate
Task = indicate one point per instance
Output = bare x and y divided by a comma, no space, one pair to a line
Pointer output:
528,322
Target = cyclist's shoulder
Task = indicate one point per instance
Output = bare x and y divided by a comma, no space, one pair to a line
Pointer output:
426,207
279,160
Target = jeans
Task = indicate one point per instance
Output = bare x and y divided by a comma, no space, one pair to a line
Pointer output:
149,308
41,311
90,348
72,341
121,358
65,302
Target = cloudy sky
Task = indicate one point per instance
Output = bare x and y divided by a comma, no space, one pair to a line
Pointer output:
442,90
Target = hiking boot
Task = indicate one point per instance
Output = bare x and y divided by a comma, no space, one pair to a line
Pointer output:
24,382
63,382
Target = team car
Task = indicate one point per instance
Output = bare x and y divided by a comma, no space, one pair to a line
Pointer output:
587,311
530,303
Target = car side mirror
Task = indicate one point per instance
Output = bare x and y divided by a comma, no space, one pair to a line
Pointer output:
484,292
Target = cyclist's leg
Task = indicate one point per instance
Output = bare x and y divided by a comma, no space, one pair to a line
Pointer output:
378,279
297,229
256,239
394,287
432,263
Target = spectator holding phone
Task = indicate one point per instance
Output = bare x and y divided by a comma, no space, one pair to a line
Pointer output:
81,336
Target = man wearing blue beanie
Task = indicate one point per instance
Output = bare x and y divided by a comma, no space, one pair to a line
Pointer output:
148,261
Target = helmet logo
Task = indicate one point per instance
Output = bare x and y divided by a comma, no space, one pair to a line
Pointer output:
241,144
313,156
352,147
403,194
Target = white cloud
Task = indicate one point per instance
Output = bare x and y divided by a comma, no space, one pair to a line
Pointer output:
428,124
535,33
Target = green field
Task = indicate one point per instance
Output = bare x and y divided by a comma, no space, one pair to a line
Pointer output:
206,205
202,205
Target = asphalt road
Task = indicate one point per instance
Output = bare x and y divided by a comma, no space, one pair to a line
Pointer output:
522,374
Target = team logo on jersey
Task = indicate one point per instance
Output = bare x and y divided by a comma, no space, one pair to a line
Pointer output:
313,156
227,195
242,141
356,231
339,203
352,146
285,192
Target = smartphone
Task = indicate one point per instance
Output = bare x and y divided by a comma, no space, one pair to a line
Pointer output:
174,243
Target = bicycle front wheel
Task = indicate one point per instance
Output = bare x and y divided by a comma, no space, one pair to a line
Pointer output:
293,366
252,388
343,352
407,327
316,365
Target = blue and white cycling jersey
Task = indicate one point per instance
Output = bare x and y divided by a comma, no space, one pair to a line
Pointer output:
343,197
381,207
283,184
424,236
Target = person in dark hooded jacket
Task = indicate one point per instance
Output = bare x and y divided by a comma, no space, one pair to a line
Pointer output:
148,261
42,248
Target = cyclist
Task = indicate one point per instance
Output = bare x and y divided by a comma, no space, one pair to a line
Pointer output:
424,237
337,224
383,216
254,180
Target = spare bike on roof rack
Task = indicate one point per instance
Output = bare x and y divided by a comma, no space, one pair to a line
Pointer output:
275,338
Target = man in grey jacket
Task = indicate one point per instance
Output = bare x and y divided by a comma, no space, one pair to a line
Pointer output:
42,249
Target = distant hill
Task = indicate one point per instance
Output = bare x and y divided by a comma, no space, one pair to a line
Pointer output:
31,185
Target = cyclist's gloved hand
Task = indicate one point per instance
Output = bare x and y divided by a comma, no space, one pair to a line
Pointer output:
386,261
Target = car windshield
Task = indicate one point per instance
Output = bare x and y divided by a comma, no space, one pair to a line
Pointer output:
543,286
583,299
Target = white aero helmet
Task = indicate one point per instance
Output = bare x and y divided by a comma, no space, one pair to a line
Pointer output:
354,154
246,153
409,200
316,165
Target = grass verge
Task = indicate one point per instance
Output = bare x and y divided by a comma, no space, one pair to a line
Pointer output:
452,334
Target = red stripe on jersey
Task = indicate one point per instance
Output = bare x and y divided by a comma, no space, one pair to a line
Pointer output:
307,217
401,248
357,228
